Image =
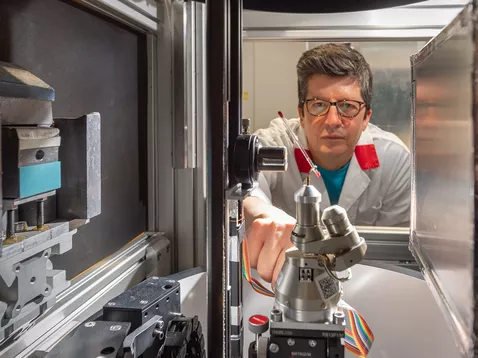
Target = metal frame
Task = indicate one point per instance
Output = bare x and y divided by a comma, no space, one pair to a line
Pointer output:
142,15
189,131
90,291
413,22
218,22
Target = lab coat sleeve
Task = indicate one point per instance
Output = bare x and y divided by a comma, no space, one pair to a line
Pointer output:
395,209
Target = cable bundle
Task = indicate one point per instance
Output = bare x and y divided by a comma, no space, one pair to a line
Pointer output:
246,271
359,338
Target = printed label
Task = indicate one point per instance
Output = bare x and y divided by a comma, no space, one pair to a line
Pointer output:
328,287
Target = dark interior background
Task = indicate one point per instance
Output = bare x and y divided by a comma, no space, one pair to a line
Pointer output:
94,65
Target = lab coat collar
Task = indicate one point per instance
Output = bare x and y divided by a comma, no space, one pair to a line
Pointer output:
356,181
365,152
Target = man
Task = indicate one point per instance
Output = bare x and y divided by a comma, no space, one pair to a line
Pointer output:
363,168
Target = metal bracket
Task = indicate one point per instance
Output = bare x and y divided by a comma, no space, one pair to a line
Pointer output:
92,339
240,193
138,341
31,283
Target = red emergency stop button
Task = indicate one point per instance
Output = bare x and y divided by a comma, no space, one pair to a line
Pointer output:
258,324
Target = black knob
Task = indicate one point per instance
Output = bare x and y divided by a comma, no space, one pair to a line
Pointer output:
271,159
250,158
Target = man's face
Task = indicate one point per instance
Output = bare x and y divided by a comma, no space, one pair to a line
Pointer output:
333,135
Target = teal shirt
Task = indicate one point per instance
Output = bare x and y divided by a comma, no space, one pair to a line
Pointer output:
334,181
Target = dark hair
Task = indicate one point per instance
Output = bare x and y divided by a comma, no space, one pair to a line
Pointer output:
334,60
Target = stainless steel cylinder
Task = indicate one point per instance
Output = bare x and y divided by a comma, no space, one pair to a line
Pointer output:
307,201
315,316
271,159
339,318
307,229
276,315
305,293
336,220
40,213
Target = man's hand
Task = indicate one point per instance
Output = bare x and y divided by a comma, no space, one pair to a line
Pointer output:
268,237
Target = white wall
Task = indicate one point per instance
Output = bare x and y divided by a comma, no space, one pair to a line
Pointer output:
248,81
270,80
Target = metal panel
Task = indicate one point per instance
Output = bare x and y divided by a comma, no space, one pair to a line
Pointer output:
184,85
184,217
387,244
80,154
357,34
163,130
200,180
444,177
396,23
141,12
152,60
94,64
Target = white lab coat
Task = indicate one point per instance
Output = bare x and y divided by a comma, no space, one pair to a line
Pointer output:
376,190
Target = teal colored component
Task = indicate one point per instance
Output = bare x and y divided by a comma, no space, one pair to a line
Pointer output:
334,181
36,179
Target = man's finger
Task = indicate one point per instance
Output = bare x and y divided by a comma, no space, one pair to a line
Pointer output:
279,264
256,235
269,254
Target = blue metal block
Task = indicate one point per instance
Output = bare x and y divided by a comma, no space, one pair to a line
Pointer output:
36,179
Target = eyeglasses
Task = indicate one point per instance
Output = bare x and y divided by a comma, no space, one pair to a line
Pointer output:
320,107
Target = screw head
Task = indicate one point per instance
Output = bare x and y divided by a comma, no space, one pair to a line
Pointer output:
312,343
291,342
273,348
161,324
143,302
111,303
115,328
90,324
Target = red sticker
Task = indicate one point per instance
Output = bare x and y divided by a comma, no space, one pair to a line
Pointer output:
258,319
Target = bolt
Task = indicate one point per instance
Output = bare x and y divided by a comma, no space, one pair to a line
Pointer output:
274,348
291,342
161,324
115,328
90,324
158,333
312,343
143,302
